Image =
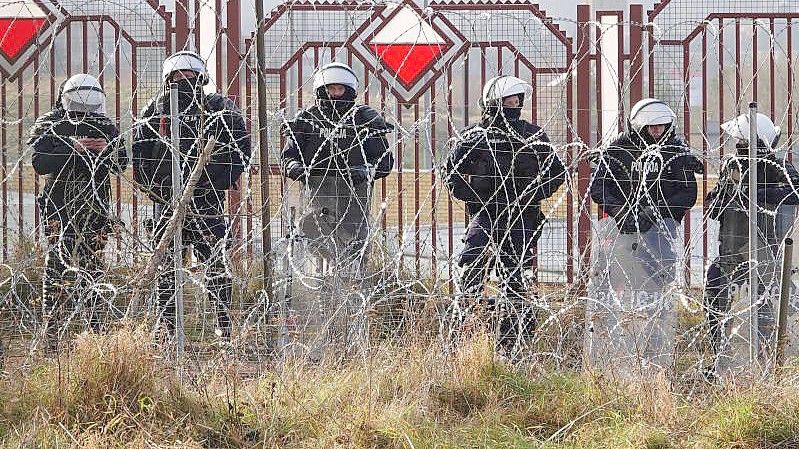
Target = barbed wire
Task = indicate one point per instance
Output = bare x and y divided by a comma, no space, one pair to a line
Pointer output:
356,263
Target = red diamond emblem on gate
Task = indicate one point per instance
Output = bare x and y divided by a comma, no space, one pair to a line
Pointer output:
409,48
18,33
407,45
23,23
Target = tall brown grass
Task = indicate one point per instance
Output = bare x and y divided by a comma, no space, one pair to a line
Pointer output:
117,390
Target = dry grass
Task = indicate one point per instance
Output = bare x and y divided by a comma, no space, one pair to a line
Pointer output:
117,391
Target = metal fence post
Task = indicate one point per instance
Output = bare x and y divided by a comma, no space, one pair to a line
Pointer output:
177,190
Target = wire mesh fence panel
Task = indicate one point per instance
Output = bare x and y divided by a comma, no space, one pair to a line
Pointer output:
418,172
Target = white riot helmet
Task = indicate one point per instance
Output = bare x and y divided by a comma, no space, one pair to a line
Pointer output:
335,73
185,60
503,86
651,111
767,132
83,93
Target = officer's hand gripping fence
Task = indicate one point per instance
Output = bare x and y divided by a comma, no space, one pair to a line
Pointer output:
571,252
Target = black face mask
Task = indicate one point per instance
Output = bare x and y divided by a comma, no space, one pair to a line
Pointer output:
512,113
742,147
500,118
336,107
189,93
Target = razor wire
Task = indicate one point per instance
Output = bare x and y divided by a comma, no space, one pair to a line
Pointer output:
355,265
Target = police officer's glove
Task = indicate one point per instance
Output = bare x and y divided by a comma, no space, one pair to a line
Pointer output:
647,217
627,224
641,222
359,174
695,165
296,171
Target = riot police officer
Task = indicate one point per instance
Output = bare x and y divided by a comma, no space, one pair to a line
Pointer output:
77,147
201,117
644,182
777,183
502,168
335,150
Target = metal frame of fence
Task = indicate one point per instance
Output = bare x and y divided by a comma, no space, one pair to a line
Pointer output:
674,34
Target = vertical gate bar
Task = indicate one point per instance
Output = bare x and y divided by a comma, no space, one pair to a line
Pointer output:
704,150
636,52
169,32
467,62
234,67
790,78
772,69
4,160
85,56
384,181
101,79
53,89
534,118
651,56
283,182
534,100
416,211
249,97
450,212
433,189
584,134
36,90
299,81
21,153
620,57
721,84
400,164
118,112
197,29
754,60
181,24
221,36
599,105
134,99
69,49
569,162
737,64
687,127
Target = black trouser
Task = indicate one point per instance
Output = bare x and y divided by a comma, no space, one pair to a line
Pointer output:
209,248
504,243
731,268
73,267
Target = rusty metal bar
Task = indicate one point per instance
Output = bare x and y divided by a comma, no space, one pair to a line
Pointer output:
36,187
584,134
450,211
721,83
400,209
569,162
754,60
416,175
433,190
636,51
4,161
687,127
20,167
704,149
233,83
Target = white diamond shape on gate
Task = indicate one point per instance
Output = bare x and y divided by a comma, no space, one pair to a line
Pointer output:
24,24
408,48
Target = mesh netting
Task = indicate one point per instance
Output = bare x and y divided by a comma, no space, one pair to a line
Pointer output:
421,211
